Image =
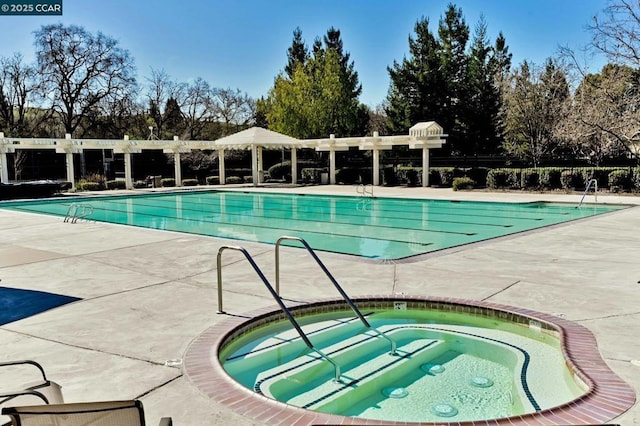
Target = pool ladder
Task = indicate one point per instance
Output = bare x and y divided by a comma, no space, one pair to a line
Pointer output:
77,211
276,296
365,190
594,183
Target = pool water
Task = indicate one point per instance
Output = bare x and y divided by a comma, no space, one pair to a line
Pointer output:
448,367
381,228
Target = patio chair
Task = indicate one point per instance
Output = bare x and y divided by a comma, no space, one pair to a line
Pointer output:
28,387
103,413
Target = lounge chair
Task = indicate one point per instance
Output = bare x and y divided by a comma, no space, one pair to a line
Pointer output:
104,413
27,386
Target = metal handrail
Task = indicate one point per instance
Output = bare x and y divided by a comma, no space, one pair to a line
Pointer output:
335,283
78,211
278,300
362,190
593,182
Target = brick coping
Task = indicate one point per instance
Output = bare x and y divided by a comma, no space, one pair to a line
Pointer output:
607,396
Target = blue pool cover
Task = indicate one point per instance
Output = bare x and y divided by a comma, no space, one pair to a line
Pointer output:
16,304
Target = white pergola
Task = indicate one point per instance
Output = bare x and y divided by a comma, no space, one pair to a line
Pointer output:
425,136
256,139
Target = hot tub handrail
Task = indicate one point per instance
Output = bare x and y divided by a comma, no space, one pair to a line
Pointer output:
277,298
333,281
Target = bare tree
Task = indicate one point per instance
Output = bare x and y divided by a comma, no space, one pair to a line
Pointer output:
616,33
601,123
80,71
235,109
197,107
535,101
606,105
159,89
18,87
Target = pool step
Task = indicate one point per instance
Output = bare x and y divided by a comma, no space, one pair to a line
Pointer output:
308,383
285,350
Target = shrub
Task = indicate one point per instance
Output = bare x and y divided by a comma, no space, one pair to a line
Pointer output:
189,182
213,180
434,178
280,171
348,175
89,186
140,184
248,179
311,174
389,177
463,183
635,179
478,175
167,182
94,177
412,177
446,177
530,178
550,178
116,184
503,178
571,179
619,179
233,179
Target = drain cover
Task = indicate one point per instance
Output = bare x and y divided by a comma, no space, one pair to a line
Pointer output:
444,410
432,368
481,382
395,392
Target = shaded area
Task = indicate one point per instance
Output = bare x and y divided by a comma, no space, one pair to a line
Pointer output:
16,304
36,189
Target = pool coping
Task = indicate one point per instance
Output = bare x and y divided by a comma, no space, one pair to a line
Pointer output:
608,396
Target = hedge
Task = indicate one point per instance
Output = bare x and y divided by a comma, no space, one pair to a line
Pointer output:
189,182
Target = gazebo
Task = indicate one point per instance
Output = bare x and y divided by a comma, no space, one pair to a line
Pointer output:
257,139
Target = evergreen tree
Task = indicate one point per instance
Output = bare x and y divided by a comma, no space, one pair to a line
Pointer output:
173,119
297,54
320,97
442,80
416,89
482,114
453,33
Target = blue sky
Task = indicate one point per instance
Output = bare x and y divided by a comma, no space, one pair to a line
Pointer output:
243,43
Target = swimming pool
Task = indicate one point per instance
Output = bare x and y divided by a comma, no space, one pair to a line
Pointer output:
379,228
457,361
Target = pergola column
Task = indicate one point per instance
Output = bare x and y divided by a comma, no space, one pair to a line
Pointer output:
425,166
260,166
376,167
294,166
254,164
332,161
176,148
128,179
4,163
177,168
67,148
221,172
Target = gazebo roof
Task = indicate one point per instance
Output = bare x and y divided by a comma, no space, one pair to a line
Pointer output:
426,128
257,136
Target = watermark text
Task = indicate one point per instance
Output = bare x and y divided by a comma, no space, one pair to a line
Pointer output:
30,7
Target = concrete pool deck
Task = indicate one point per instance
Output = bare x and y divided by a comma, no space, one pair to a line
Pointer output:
146,294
